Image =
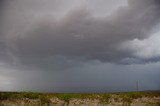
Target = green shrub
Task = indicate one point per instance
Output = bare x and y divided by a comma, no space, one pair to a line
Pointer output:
105,98
29,95
44,99
127,99
5,95
65,97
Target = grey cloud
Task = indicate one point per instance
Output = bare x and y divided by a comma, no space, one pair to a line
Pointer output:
79,34
61,46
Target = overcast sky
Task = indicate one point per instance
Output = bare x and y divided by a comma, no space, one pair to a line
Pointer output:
79,45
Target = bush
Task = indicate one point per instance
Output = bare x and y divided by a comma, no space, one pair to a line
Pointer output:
5,95
105,98
44,99
30,95
65,97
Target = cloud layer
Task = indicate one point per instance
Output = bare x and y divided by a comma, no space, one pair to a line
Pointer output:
79,45
45,39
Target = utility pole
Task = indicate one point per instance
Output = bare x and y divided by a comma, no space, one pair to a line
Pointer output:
137,86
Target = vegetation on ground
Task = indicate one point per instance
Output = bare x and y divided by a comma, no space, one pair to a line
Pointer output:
103,97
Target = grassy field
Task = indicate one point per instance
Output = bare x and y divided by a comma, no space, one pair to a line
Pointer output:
103,97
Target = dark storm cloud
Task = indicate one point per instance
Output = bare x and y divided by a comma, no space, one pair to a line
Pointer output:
78,34
76,49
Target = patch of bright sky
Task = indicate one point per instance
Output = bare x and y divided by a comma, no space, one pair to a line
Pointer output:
147,48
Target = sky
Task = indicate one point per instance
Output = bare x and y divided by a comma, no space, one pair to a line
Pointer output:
79,45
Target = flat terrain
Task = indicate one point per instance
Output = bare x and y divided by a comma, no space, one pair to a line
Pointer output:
148,98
